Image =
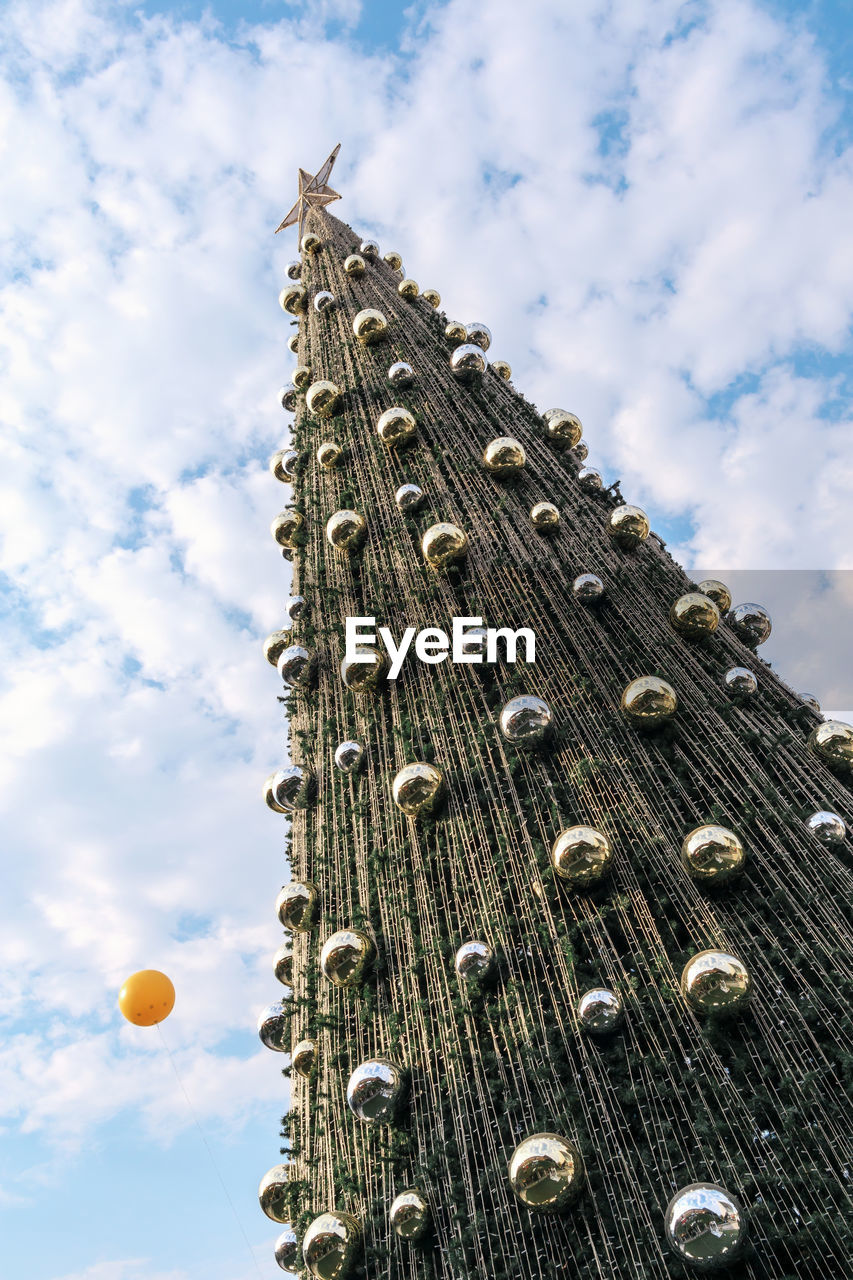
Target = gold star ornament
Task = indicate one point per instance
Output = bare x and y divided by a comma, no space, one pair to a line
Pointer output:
314,192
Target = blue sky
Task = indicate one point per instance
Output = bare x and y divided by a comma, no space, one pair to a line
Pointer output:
648,204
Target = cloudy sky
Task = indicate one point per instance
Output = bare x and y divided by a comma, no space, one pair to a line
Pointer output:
649,203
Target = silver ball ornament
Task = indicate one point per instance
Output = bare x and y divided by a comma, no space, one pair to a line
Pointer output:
751,623
827,827
475,961
296,666
705,1226
600,1012
526,722
409,497
375,1090
349,756
479,335
323,301
589,479
588,588
468,362
274,1027
296,607
401,374
741,681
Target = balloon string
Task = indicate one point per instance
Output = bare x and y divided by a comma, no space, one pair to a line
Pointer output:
209,1152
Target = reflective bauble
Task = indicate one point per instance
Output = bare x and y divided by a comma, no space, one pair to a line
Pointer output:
288,1255
296,607
588,588
375,1090
474,961
718,592
502,369
287,554
282,963
293,342
649,701
480,334
346,957
582,856
310,243
600,1012
275,645
418,789
293,270
323,301
545,517
827,827
401,374
432,296
705,1226
715,982
410,1215
408,288
369,326
504,456
409,497
712,854
628,526
293,298
298,905
589,479
295,666
269,794
348,756
331,1244
443,544
546,1172
367,675
581,451
285,526
303,1057
751,623
345,530
832,742
563,426
292,788
329,454
272,1193
283,465
694,615
526,721
289,399
396,427
393,259
455,332
354,265
369,249
301,377
741,681
274,1027
322,399
811,702
467,362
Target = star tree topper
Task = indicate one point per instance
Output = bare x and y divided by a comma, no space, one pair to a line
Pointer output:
313,193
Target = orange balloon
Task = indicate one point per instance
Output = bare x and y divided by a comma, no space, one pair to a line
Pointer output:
147,998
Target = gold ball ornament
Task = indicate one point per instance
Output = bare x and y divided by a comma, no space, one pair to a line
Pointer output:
418,789
286,1250
274,1027
545,517
741,681
275,645
146,998
502,369
365,676
715,982
526,722
369,249
354,265
832,742
283,465
310,243
331,1245
272,1193
345,530
718,592
751,623
285,527
468,363
375,1090
455,332
396,427
589,479
600,1012
392,257
444,544
370,326
628,526
562,426
408,288
322,398
705,1227
581,856
479,334
293,270
330,454
649,701
298,905
301,377
694,615
546,1172
303,1057
712,855
504,457
293,299
433,297
410,1215
282,963
296,666
346,957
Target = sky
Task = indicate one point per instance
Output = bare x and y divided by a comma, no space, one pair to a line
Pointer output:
648,201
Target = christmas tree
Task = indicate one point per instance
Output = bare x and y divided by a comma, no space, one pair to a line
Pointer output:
568,965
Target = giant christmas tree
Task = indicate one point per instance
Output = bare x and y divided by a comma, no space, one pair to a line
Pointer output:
568,962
